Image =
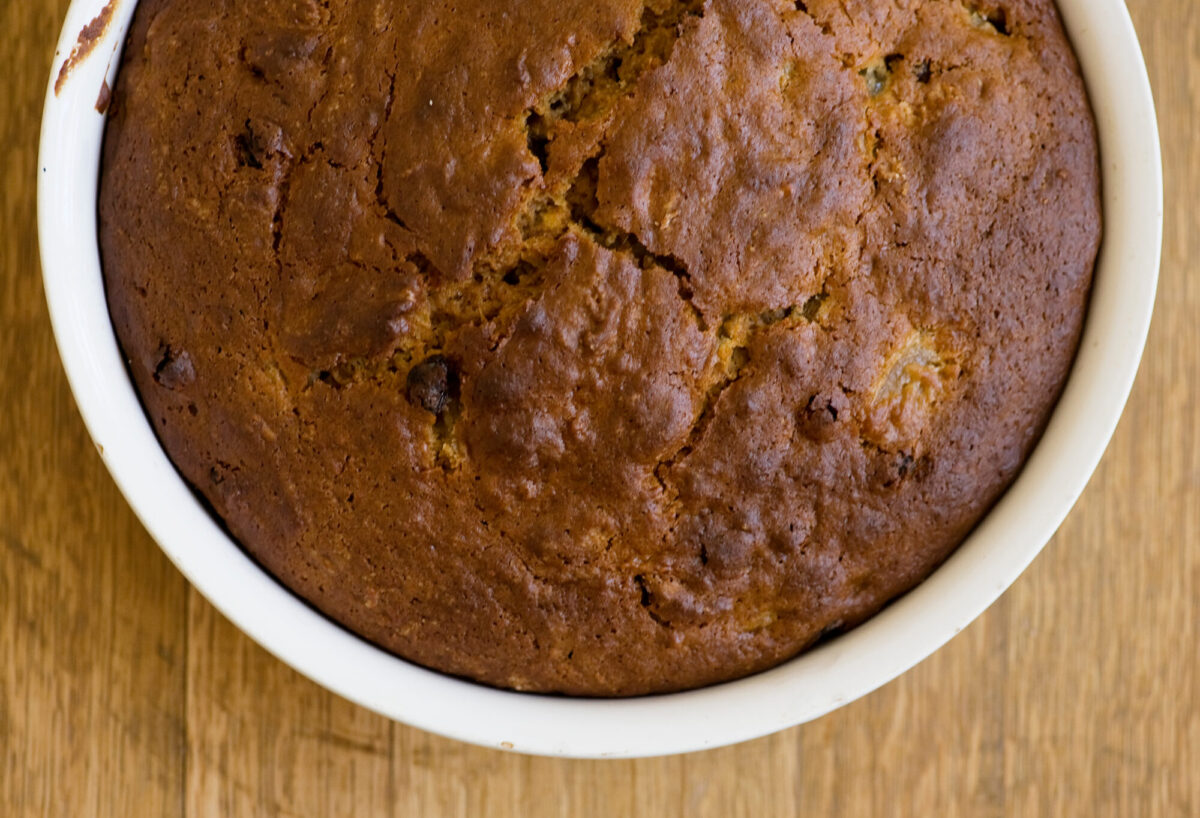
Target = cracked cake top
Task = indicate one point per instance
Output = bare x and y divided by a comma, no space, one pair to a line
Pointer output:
602,347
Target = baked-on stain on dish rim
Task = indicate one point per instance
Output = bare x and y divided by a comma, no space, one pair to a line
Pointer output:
798,691
89,36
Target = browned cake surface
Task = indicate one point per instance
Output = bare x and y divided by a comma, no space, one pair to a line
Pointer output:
590,345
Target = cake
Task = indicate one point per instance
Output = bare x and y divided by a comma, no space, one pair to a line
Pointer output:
599,347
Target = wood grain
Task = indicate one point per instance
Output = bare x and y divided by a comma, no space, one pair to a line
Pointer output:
123,693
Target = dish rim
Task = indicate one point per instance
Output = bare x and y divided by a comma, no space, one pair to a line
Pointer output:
802,689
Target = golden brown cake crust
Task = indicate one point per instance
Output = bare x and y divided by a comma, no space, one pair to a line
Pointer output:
593,347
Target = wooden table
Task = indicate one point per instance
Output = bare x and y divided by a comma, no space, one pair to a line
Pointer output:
123,693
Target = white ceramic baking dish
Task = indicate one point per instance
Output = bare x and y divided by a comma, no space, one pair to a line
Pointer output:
800,690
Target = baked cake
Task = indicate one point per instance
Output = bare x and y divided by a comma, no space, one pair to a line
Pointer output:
600,347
